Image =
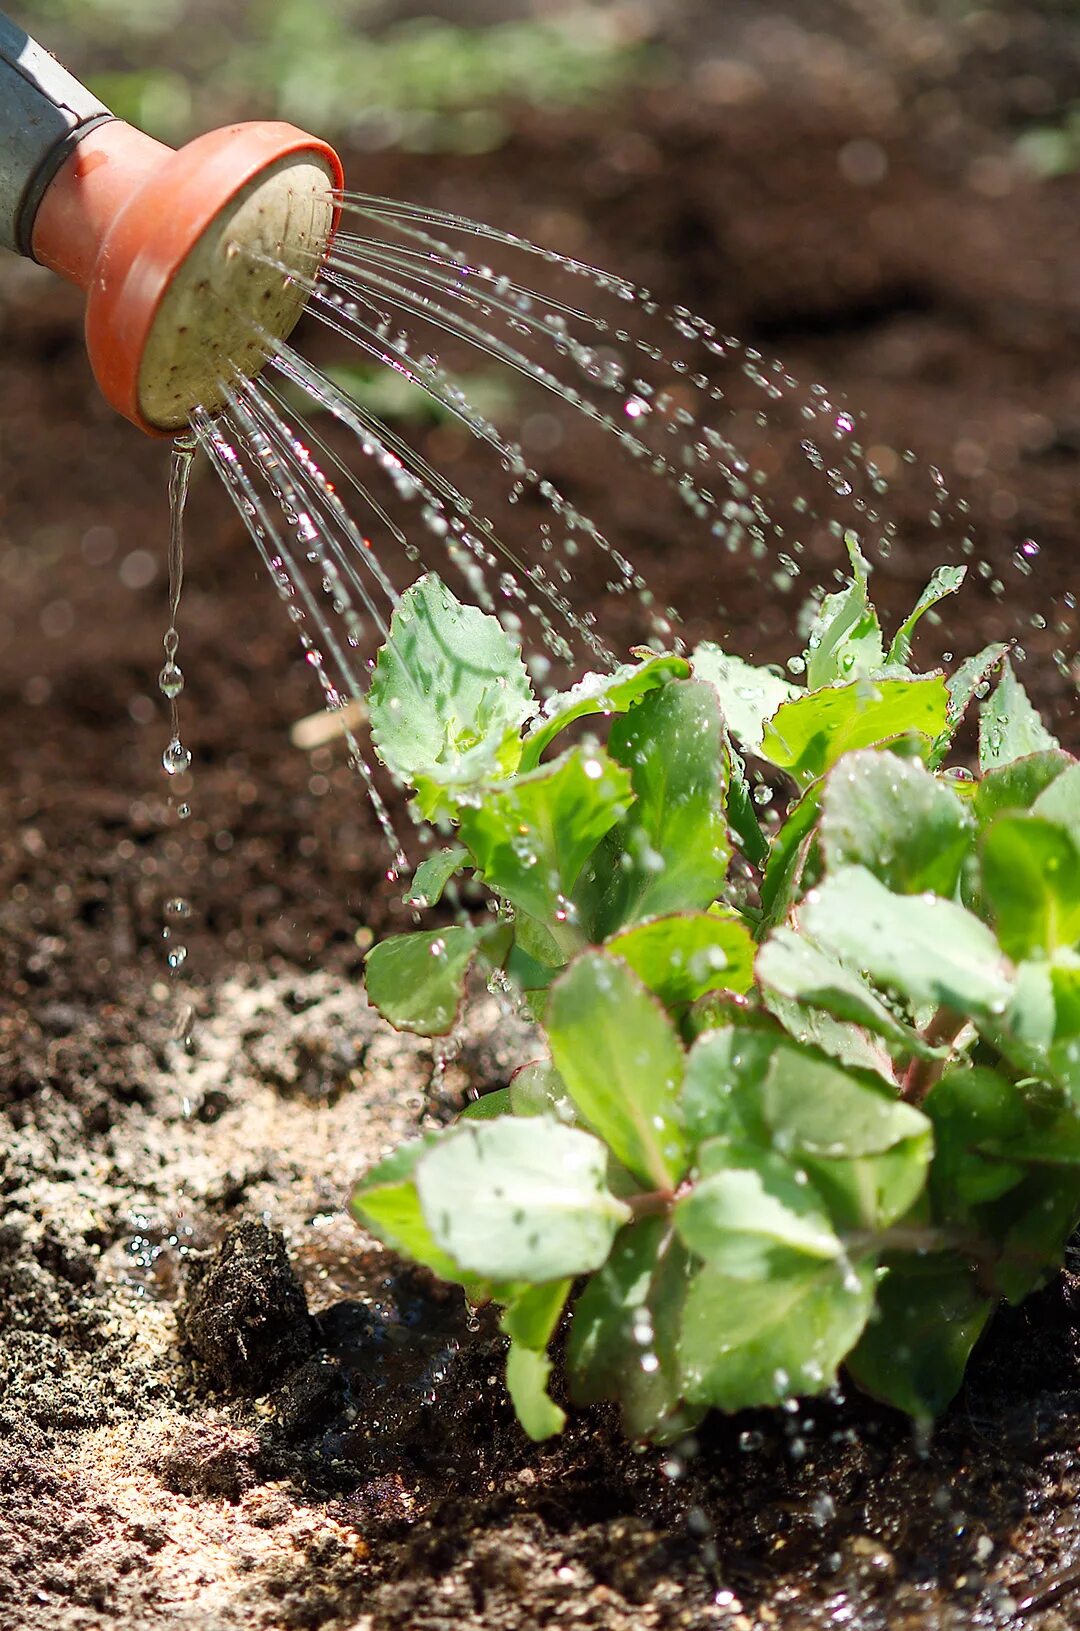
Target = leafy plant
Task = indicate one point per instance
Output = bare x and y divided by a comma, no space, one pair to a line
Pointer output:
818,1109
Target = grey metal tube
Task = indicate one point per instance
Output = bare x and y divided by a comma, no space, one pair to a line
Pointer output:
44,113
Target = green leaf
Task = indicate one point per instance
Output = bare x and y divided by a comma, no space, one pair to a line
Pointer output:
807,736
724,1073
845,640
913,1352
1031,880
538,944
670,854
682,956
1009,727
743,1082
387,1205
432,876
614,693
620,1057
417,981
812,1107
449,692
849,1044
519,1199
966,681
1060,802
963,685
748,695
870,1192
945,581
788,856
531,836
537,1089
1033,1223
930,950
623,1338
529,1321
527,1374
534,1313
488,1106
742,812
749,1204
972,1107
1019,785
758,1343
789,964
891,816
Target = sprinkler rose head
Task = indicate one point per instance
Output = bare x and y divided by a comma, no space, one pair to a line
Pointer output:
193,262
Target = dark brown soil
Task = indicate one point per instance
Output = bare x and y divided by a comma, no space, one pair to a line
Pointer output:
222,1407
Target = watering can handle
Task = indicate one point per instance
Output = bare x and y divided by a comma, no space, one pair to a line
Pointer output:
44,114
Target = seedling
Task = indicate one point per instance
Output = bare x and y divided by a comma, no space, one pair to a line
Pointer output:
818,1108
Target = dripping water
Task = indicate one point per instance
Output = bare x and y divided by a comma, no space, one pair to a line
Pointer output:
176,758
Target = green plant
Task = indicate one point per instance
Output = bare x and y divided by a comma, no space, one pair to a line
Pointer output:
819,1107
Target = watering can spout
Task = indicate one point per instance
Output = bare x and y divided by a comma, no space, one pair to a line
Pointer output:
194,263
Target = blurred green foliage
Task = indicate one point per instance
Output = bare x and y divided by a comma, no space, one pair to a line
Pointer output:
1052,150
342,67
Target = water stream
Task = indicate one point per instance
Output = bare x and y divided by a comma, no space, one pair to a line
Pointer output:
345,512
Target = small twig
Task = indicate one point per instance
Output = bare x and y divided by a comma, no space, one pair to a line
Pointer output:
1053,1593
316,730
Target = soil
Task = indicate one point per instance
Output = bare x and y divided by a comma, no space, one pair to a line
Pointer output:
222,1407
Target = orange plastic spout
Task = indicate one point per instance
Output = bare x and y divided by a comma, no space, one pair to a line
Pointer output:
194,262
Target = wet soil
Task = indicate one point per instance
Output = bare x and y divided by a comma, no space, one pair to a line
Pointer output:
220,1405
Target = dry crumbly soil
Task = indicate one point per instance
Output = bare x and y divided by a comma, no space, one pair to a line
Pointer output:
222,1407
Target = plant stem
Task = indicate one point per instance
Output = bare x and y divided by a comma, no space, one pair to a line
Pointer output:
651,1204
921,1074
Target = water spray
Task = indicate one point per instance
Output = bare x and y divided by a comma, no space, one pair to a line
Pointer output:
188,259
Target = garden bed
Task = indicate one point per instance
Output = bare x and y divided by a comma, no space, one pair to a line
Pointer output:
382,1481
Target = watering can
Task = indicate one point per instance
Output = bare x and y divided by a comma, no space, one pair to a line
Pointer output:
193,262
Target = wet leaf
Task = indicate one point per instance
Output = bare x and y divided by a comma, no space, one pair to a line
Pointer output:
449,692
530,837
759,1343
945,581
625,1329
893,817
432,876
1031,881
519,1199
527,1373
488,1106
670,854
613,693
537,1089
682,956
417,981
788,856
748,695
1020,784
749,1204
1060,802
1009,726
870,1192
620,1058
845,640
972,1108
387,1204
930,950
809,735
790,964
913,1352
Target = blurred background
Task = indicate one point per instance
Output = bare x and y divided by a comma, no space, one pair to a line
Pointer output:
885,193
